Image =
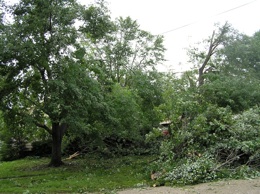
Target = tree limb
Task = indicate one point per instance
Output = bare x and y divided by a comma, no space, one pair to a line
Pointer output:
44,127
214,43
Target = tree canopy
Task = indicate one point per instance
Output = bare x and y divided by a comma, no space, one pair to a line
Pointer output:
43,81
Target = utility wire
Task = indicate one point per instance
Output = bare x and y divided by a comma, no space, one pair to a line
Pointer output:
221,13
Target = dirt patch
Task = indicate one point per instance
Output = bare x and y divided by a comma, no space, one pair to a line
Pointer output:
221,187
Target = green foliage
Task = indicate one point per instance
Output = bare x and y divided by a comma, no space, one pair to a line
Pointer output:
214,142
192,171
11,150
97,21
125,120
216,125
211,126
45,82
148,88
244,140
126,112
12,141
239,93
41,148
154,134
56,75
180,96
99,80
242,55
125,50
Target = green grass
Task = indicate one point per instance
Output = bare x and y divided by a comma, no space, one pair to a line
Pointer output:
90,174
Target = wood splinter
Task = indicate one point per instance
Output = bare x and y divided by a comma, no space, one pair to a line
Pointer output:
73,155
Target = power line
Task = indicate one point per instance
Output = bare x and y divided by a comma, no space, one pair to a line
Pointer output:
221,13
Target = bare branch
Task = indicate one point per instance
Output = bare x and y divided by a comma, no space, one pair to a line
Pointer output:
215,41
229,160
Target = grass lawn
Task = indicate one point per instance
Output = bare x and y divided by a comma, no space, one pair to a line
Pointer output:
83,175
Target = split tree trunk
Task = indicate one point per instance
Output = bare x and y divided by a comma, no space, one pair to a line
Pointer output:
215,41
213,45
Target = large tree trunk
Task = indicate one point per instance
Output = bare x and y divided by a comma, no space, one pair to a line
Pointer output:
57,135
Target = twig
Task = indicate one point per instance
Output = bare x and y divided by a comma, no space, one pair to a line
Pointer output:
228,161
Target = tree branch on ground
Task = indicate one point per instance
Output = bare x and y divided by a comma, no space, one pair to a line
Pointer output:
230,159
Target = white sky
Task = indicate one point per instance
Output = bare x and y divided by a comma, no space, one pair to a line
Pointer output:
158,16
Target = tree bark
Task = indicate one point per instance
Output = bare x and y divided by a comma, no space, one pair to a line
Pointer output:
58,131
211,50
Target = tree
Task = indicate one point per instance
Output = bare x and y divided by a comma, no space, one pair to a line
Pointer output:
127,56
241,56
44,78
204,57
180,98
237,81
148,88
127,49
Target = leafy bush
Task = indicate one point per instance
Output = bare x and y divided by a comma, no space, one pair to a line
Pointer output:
12,150
12,144
239,93
41,148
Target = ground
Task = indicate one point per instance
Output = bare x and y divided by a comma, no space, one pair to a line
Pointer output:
251,186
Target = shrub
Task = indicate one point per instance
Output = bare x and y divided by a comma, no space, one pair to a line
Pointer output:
41,148
12,150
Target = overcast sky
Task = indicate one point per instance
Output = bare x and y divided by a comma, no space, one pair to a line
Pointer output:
160,16
167,17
